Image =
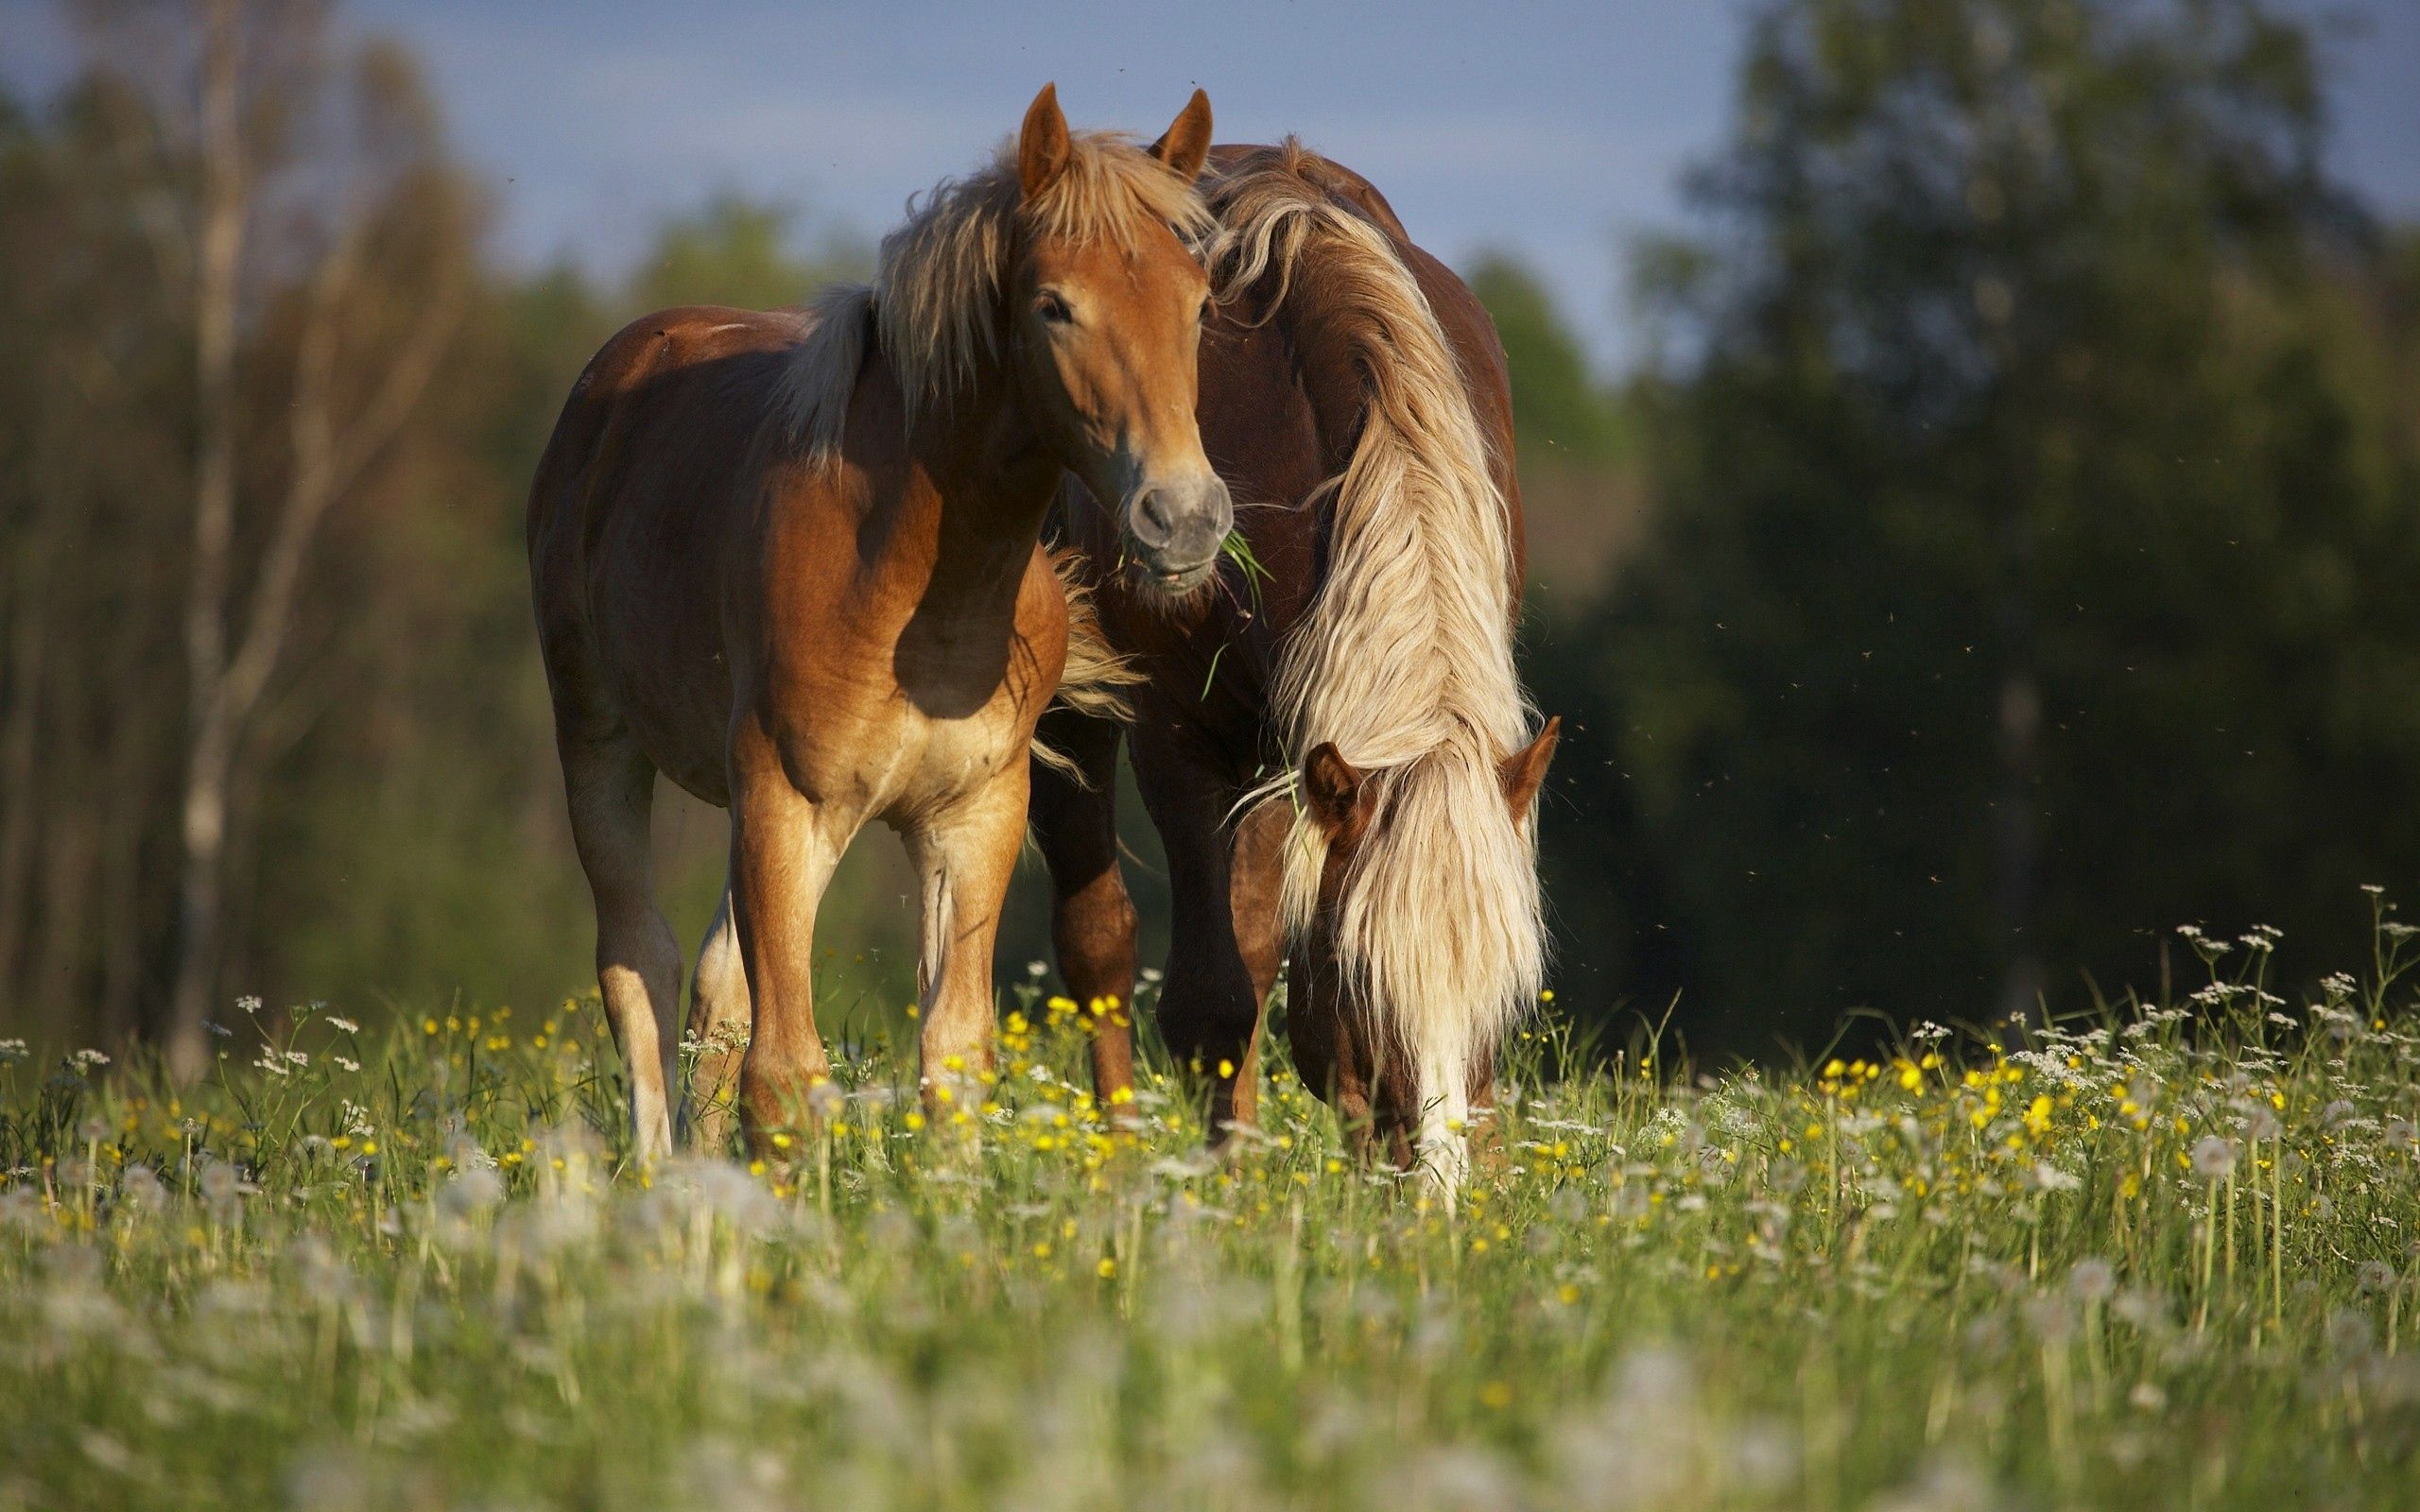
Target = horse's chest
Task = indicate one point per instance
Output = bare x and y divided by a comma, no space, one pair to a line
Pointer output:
883,745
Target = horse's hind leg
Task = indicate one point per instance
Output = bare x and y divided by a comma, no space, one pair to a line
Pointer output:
612,789
1092,918
719,1012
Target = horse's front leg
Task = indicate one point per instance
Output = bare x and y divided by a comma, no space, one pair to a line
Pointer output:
964,853
783,851
1224,946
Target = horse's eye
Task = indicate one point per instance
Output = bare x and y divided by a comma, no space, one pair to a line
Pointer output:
1054,309
1203,313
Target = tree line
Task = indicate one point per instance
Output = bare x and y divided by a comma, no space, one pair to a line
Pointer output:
2003,554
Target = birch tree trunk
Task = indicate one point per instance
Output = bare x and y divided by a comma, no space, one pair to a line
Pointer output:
200,898
234,652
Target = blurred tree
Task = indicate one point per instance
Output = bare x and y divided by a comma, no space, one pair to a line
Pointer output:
235,258
1563,414
271,719
1581,490
270,126
93,405
2037,522
742,252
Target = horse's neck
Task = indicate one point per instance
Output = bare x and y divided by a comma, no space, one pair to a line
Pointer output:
986,484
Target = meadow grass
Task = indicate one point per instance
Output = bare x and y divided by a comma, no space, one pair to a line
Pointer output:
2161,1258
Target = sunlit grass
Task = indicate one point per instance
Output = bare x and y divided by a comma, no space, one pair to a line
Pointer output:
2160,1260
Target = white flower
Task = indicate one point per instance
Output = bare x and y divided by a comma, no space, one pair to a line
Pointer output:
136,1184
345,1024
2092,1280
2213,1158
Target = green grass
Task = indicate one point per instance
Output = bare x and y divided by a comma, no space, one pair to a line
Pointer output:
2160,1260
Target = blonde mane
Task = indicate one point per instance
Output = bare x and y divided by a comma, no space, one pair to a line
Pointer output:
935,304
1405,660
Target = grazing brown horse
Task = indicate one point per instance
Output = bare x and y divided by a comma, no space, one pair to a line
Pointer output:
789,561
1332,741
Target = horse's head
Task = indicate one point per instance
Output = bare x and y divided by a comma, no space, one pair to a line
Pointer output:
1413,951
1105,332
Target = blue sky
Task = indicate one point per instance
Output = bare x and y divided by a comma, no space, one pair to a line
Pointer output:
1556,129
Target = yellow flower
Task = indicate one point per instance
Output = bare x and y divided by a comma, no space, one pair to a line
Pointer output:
1107,1267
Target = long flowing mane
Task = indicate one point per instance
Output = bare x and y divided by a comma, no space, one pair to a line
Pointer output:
934,305
1405,661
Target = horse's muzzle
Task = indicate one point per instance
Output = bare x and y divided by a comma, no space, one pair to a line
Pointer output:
1175,530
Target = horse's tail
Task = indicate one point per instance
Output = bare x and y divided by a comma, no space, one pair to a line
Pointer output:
1095,675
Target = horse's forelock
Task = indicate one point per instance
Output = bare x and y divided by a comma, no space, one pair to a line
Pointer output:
942,274
934,303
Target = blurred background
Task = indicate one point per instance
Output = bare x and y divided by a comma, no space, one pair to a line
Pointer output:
1972,450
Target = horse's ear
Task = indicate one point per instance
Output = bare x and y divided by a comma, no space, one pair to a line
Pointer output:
1331,787
1522,771
1185,147
1041,143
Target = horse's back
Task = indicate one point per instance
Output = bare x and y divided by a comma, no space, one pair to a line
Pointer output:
632,515
1277,422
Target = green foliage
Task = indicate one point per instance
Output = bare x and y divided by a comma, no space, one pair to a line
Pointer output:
409,1266
397,829
738,251
1563,417
2037,520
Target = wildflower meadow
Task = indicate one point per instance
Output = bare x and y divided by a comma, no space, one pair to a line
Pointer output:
2160,1258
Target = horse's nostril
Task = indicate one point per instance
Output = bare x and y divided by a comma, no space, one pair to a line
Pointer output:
1151,522
1178,526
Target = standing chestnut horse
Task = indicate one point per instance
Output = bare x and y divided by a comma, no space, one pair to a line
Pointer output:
1332,741
789,561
